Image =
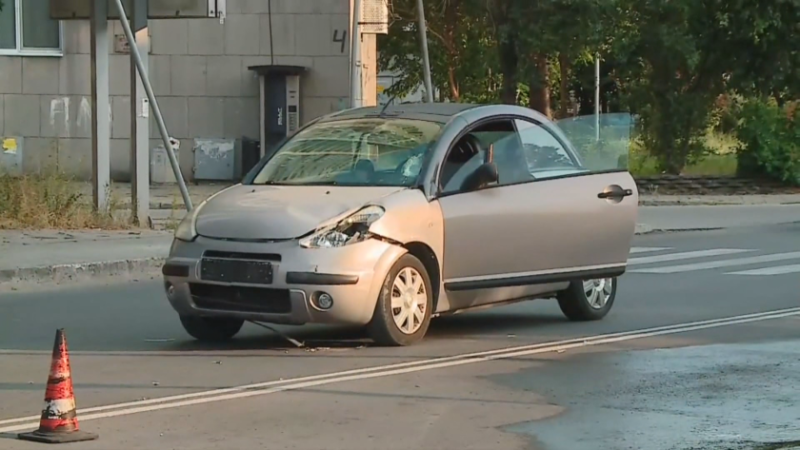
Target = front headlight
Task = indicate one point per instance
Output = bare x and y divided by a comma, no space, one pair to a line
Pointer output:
354,228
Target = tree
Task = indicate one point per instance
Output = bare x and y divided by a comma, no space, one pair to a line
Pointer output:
761,46
460,47
548,37
685,53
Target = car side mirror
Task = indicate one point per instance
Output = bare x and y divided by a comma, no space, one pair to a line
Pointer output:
484,175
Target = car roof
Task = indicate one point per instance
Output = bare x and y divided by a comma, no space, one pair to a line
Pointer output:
432,112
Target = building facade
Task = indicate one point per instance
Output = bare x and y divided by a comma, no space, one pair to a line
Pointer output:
198,69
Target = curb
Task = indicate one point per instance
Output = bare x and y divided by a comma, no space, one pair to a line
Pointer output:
78,272
713,203
676,230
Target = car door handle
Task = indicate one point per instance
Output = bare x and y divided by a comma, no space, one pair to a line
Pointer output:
615,192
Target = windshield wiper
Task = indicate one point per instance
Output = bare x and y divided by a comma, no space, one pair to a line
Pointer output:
270,183
310,183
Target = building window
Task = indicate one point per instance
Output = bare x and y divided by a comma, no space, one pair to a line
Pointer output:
26,28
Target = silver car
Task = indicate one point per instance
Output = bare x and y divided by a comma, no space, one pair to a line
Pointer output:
387,217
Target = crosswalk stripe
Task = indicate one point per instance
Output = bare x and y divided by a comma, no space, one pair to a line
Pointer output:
774,270
685,255
723,263
648,249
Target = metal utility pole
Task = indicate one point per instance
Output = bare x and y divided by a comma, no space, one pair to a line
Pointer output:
426,64
101,106
597,97
140,124
162,127
355,57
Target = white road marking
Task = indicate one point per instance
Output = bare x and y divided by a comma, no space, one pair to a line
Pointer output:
271,387
774,270
686,255
635,250
723,263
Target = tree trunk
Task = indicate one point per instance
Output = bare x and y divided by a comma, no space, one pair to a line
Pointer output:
540,85
509,63
455,95
451,22
564,67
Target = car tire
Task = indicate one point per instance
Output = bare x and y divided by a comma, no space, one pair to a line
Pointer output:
389,326
211,329
579,303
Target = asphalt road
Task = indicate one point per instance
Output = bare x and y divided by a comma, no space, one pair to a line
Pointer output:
141,383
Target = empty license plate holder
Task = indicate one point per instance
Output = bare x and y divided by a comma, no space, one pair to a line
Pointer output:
236,271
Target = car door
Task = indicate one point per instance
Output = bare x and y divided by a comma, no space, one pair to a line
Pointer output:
476,223
548,220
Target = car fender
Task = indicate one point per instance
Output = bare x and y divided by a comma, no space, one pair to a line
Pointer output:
410,220
409,217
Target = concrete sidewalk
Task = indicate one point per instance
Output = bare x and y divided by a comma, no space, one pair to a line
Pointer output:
46,257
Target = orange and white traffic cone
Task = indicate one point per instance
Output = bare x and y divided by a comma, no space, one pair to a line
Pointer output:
59,421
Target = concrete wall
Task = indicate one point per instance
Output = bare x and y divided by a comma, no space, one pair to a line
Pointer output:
199,73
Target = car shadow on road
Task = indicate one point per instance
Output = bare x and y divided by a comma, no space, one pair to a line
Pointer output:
476,325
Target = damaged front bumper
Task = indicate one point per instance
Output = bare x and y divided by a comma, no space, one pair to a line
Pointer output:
278,282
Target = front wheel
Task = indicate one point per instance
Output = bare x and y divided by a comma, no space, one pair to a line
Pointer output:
211,329
588,299
403,311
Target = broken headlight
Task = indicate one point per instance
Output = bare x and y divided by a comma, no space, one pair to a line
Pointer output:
354,228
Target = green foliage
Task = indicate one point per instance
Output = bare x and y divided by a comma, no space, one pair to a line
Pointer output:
770,140
672,63
672,79
759,44
460,47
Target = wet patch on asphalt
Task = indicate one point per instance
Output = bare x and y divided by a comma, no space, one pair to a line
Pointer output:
727,396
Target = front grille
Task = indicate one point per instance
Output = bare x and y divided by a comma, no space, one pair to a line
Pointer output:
274,257
244,299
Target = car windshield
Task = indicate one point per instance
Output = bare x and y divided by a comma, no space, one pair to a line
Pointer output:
353,152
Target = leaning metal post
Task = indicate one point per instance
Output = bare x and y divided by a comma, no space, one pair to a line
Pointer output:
162,127
426,64
355,57
597,97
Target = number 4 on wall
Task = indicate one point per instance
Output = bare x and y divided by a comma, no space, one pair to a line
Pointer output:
342,40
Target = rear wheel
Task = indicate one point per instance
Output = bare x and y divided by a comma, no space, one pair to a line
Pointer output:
588,299
403,311
211,329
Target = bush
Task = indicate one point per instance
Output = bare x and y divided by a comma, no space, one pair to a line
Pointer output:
50,202
770,141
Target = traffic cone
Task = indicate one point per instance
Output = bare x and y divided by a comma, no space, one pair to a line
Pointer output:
59,421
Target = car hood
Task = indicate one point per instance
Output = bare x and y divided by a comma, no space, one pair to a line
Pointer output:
279,212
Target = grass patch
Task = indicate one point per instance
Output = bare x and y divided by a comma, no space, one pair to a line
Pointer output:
720,162
172,222
711,165
53,202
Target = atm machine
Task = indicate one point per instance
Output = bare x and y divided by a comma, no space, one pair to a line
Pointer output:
280,102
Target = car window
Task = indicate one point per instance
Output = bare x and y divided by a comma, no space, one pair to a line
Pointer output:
352,152
453,182
469,152
544,154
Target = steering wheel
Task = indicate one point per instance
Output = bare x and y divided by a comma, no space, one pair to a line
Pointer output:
469,146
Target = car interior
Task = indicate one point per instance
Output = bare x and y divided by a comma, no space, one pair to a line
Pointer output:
469,152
